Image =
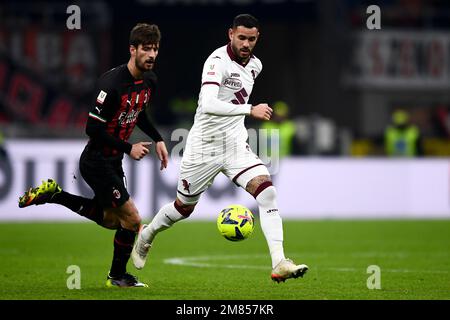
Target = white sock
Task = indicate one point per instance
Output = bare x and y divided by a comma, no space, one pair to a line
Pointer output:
271,223
163,220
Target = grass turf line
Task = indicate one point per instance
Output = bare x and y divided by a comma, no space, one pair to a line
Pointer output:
413,255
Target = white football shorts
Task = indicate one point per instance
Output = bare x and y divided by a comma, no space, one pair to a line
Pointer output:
197,172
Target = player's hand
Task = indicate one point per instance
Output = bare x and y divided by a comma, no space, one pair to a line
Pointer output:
140,150
261,111
162,153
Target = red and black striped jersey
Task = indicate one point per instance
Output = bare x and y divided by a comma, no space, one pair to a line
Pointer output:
120,104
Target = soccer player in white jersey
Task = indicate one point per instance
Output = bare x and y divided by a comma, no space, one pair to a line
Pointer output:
217,143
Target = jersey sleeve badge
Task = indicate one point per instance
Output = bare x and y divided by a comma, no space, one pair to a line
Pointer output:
101,97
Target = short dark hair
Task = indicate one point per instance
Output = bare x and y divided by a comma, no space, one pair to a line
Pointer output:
144,33
245,20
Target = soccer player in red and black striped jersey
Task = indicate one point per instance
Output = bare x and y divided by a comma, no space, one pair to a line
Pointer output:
122,96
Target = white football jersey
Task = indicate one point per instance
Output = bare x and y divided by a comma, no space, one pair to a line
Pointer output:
223,102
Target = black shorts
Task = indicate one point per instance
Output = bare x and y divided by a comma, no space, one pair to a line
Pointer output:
105,177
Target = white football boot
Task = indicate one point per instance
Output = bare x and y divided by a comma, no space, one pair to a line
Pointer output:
140,250
287,269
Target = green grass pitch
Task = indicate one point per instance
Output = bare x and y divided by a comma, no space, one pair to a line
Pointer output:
192,261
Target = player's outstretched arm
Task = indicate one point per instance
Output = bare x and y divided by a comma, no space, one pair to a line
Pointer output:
211,104
102,113
139,150
162,153
261,111
96,130
149,129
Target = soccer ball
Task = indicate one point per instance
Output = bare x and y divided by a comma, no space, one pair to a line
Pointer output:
235,222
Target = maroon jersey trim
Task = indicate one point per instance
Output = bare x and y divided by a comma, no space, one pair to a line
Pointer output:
211,82
245,170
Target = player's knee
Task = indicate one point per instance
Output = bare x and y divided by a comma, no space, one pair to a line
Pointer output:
258,183
128,215
184,209
135,222
267,195
110,222
131,221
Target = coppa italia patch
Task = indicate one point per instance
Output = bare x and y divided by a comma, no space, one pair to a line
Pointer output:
101,97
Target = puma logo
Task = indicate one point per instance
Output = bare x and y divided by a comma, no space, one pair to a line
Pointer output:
165,214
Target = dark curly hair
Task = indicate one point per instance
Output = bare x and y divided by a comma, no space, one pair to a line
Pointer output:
144,33
245,20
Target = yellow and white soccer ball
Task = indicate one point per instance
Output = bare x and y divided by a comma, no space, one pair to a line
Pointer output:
236,222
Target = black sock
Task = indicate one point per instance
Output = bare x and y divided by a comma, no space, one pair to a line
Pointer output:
85,207
123,245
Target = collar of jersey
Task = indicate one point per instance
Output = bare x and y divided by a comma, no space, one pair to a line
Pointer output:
233,56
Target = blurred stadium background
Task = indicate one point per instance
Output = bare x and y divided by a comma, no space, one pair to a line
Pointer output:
334,84
337,89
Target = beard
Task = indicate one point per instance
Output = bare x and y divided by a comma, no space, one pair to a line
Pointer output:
141,65
238,53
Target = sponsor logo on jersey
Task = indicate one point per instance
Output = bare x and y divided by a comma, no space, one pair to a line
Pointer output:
211,73
272,210
236,75
127,118
101,97
232,83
